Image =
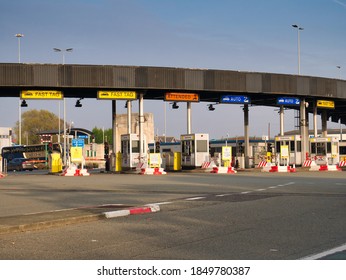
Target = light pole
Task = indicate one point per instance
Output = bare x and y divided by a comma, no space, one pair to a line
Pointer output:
339,67
63,62
63,51
19,36
299,28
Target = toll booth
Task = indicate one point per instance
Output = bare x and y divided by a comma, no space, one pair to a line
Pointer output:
130,151
324,150
194,150
292,147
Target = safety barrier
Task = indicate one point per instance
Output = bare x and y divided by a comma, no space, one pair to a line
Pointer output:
262,163
278,168
153,171
342,163
224,170
74,171
2,175
325,167
307,163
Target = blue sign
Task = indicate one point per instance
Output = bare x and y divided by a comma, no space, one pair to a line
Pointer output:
78,143
288,101
235,99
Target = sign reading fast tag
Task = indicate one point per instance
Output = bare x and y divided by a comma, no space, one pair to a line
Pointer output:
121,95
325,104
41,94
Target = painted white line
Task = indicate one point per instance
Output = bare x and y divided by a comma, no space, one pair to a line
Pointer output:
225,194
159,203
195,198
273,187
326,253
245,192
260,190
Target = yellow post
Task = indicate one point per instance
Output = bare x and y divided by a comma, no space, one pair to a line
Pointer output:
269,157
177,161
118,159
56,165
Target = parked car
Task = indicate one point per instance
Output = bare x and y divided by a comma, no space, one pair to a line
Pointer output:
19,164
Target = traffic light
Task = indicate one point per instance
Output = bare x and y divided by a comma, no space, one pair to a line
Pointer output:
50,147
106,149
157,147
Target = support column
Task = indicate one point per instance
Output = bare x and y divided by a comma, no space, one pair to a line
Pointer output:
281,120
324,123
246,136
315,119
188,104
141,132
129,115
304,128
113,160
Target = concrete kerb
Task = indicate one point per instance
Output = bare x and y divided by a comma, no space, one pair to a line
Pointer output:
39,221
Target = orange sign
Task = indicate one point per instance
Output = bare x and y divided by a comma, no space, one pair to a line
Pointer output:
177,96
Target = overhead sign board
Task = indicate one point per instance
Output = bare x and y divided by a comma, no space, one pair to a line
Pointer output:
288,101
235,99
325,104
41,94
183,97
122,95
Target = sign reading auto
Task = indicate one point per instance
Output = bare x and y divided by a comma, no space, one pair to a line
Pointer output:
124,95
41,94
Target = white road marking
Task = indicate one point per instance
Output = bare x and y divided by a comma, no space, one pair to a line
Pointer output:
195,198
326,253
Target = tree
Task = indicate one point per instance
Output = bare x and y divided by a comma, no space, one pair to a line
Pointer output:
108,135
34,122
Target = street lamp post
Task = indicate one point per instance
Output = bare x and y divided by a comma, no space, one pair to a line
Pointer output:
339,67
19,36
63,62
299,28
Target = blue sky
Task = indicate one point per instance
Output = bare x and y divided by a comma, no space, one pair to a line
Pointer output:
244,35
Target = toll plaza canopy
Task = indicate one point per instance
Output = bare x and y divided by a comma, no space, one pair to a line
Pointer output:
265,89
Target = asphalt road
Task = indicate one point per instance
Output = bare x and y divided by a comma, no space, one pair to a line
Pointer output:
250,216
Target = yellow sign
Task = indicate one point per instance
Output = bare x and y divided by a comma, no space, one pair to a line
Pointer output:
124,95
76,154
187,97
325,104
226,153
41,94
284,151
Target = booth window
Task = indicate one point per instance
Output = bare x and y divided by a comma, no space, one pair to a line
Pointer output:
278,147
135,146
329,147
292,146
299,146
202,146
321,148
187,147
125,147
